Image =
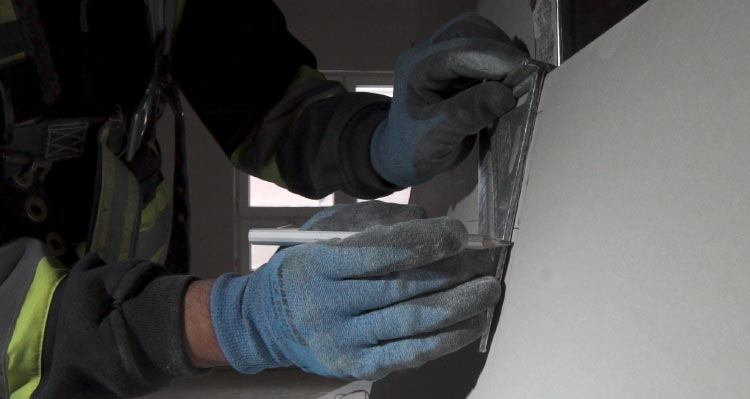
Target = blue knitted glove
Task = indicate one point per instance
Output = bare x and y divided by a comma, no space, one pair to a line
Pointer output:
391,297
447,89
357,217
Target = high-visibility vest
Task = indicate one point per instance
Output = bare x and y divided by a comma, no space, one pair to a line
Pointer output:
31,144
122,227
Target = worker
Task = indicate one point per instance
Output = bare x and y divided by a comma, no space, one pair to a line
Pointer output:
95,298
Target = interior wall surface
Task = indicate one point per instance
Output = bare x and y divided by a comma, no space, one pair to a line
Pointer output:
629,277
211,189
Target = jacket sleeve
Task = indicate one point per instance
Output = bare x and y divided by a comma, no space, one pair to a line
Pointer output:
256,89
96,330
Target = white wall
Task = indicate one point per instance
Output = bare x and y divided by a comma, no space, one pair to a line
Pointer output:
629,277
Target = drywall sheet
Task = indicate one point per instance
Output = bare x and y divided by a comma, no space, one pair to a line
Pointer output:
631,272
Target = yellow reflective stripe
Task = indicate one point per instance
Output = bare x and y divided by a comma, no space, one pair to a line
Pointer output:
306,74
158,204
180,12
13,58
118,210
269,171
80,249
160,256
157,10
7,12
155,228
106,193
131,212
27,342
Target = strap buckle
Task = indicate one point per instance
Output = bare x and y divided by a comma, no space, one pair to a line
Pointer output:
65,139
144,118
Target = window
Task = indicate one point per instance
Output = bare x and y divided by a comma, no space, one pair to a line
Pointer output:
261,204
266,194
377,89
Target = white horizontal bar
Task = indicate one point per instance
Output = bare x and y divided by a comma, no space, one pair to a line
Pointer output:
286,237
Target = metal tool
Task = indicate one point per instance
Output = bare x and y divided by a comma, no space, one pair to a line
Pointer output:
287,237
502,151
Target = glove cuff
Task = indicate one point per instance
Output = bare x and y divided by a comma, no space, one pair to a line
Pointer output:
234,301
355,145
157,315
328,147
388,161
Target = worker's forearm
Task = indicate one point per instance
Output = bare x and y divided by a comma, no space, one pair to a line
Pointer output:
202,346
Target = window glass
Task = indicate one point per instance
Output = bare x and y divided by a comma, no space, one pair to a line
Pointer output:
399,197
260,255
265,194
377,89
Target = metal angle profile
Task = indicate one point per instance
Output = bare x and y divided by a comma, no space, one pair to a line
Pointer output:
546,17
502,150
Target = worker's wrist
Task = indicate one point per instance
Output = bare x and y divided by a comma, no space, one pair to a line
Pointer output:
202,347
239,319
155,316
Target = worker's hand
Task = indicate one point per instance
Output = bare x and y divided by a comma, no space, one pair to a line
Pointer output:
447,89
391,297
357,217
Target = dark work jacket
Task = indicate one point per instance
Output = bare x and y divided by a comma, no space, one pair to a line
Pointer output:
116,330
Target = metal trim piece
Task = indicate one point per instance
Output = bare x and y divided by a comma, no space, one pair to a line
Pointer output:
546,17
502,156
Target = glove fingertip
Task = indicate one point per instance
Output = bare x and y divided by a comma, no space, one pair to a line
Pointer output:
453,236
498,97
489,288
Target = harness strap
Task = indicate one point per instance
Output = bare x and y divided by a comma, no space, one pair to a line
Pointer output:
45,141
117,218
117,234
52,140
36,47
155,227
21,95
29,83
165,15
